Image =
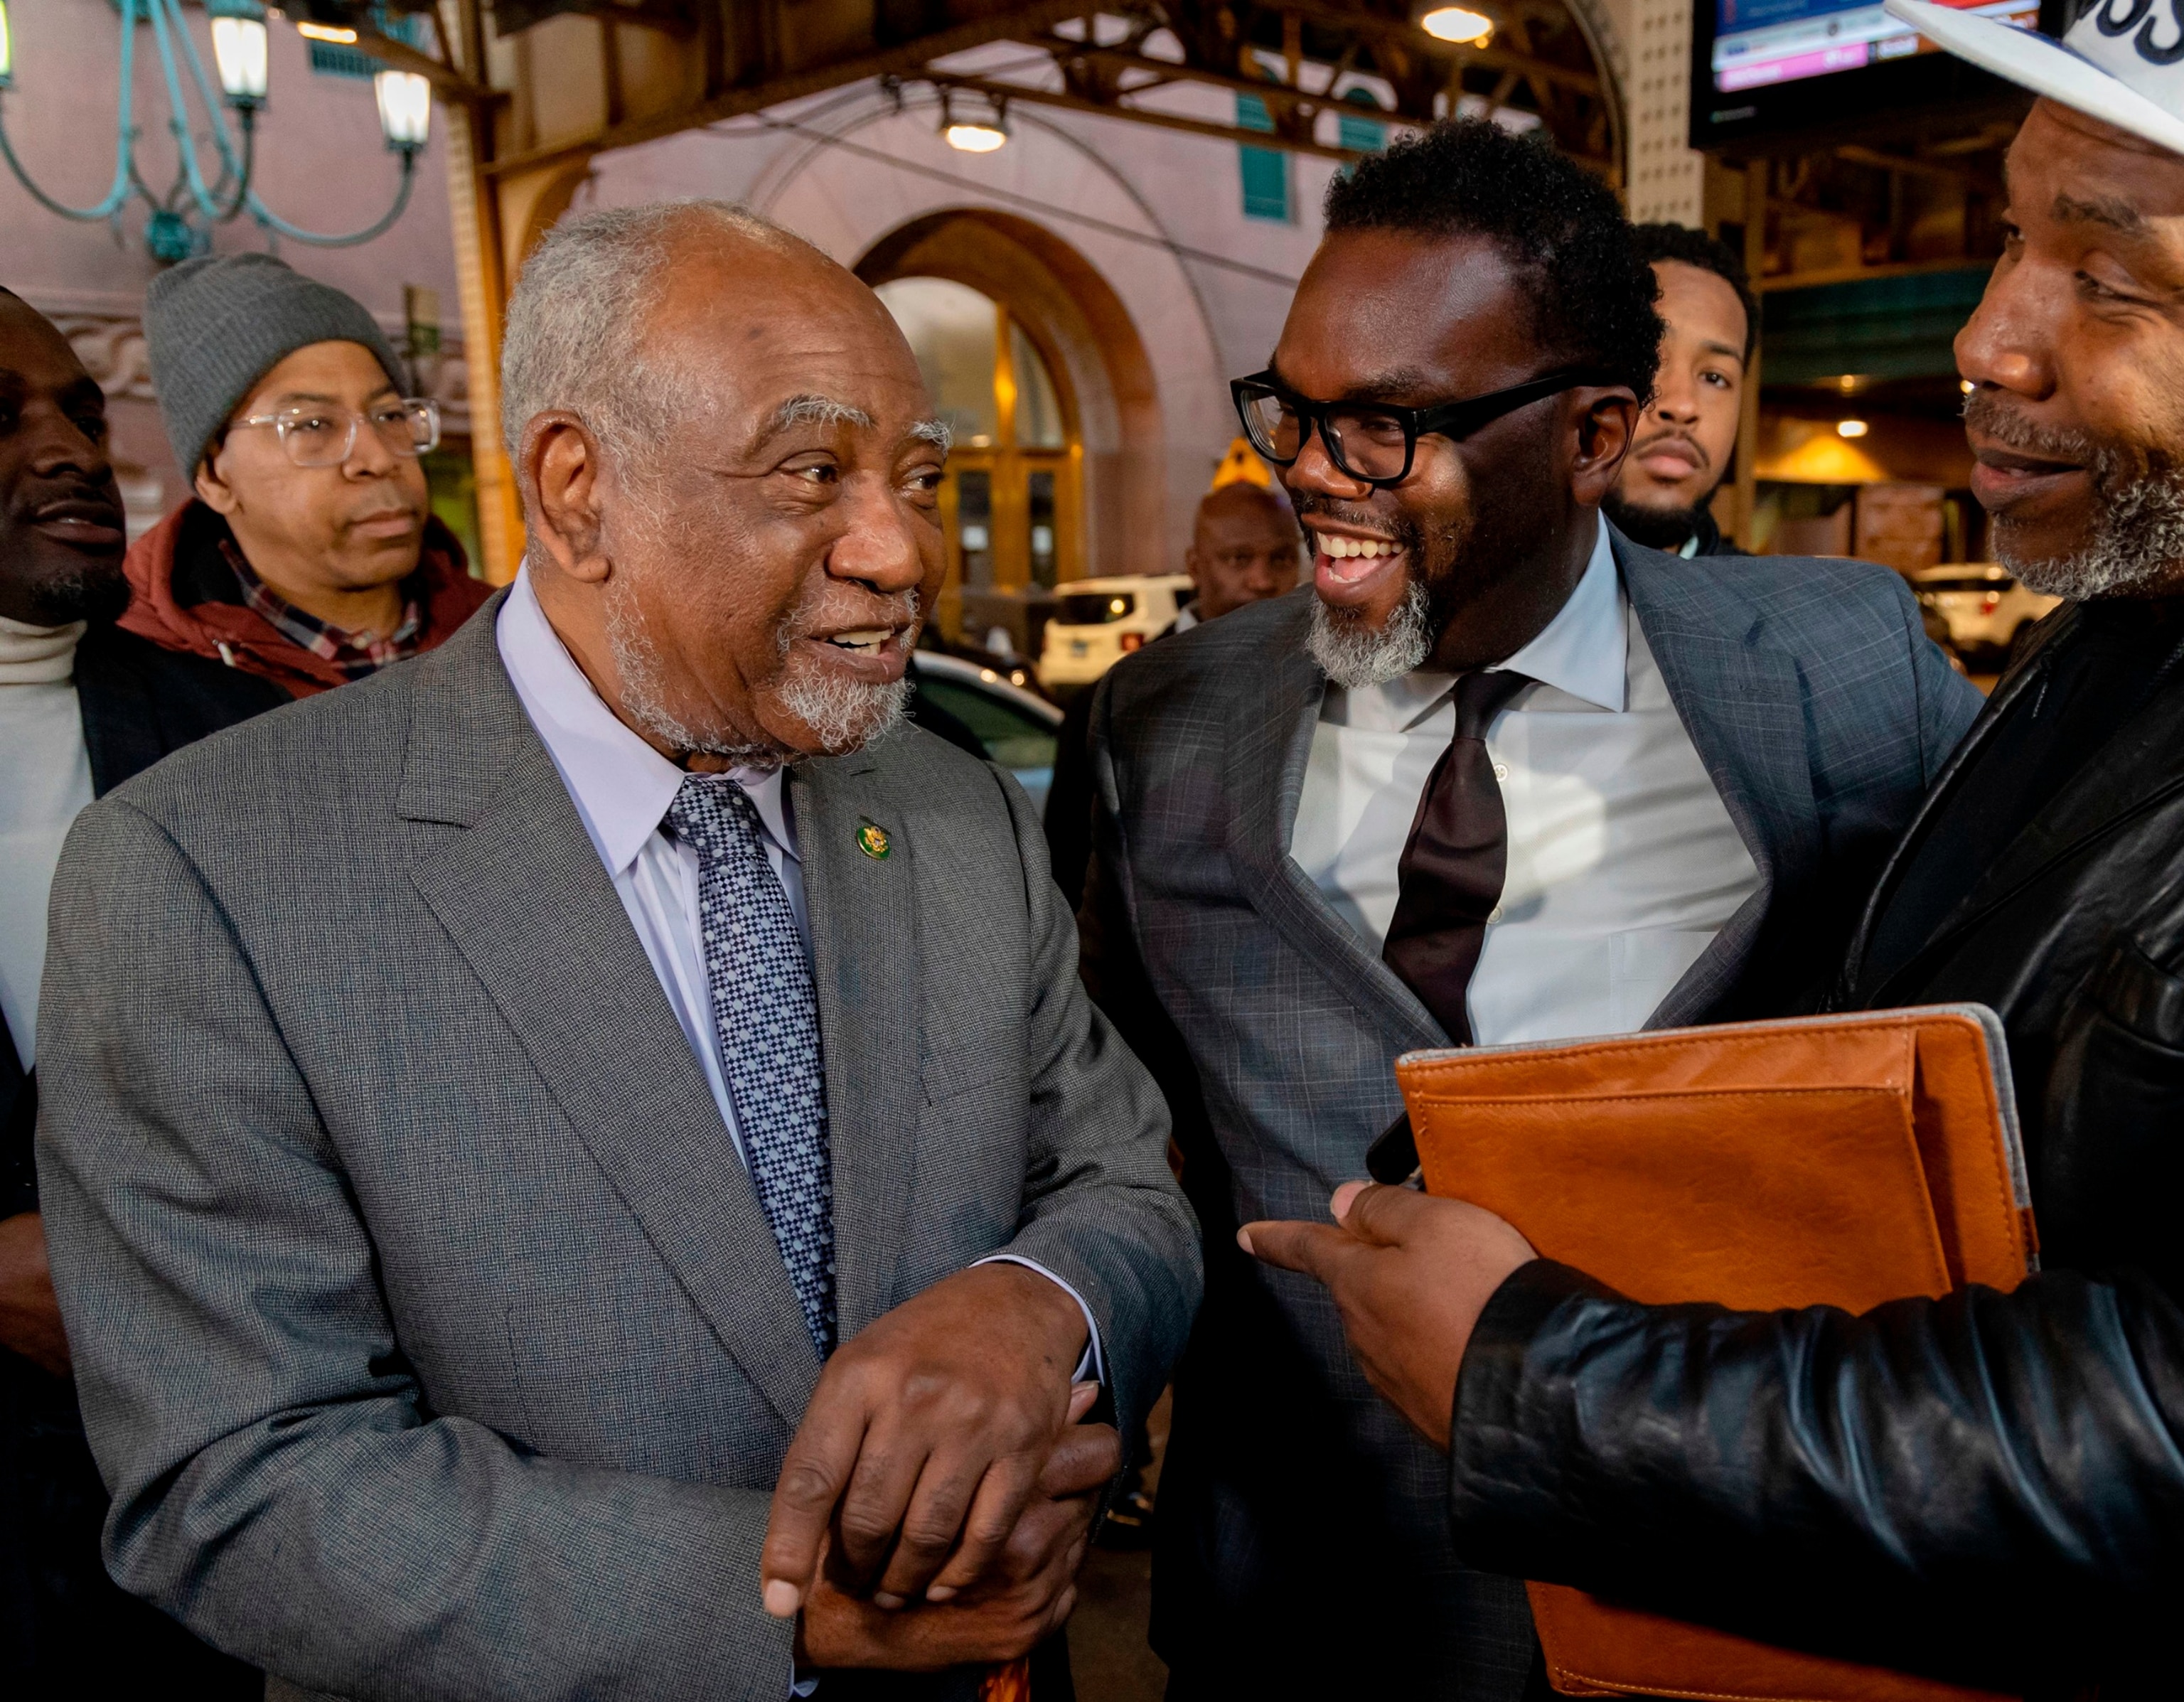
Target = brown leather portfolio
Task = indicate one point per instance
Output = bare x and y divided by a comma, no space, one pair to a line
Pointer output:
1843,1161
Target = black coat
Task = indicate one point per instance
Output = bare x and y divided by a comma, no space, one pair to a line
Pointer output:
65,1629
1987,1487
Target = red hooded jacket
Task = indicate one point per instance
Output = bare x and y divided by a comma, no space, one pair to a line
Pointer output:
446,594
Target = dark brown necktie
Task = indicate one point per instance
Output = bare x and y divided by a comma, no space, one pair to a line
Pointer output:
1453,869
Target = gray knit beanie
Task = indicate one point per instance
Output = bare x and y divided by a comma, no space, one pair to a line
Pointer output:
214,325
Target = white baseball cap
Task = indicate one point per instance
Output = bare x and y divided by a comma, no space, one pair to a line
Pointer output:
2122,62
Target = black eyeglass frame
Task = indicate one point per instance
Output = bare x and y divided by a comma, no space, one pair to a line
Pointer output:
1452,420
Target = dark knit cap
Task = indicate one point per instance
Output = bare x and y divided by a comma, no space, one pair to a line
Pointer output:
214,325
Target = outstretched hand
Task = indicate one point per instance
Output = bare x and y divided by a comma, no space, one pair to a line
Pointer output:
1410,1275
925,1440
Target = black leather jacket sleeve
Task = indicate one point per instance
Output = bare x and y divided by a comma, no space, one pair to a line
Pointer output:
1987,1487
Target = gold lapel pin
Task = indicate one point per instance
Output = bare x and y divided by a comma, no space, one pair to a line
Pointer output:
872,841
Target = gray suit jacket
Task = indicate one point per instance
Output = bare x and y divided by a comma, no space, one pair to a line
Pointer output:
428,1329
1304,1546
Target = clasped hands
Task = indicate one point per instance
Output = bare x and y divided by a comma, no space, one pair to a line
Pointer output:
935,1503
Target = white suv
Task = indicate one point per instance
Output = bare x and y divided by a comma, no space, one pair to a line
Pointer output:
1098,621
1982,605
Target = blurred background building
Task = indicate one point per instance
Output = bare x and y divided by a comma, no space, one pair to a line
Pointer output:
1086,222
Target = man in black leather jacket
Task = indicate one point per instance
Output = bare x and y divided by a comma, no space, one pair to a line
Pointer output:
1988,1488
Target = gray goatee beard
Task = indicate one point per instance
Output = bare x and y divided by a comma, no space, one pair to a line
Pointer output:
1353,655
2137,543
843,714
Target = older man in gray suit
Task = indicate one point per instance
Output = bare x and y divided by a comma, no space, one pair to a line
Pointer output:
500,1115
1499,775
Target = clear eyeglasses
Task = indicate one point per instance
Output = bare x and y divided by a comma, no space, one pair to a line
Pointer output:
314,435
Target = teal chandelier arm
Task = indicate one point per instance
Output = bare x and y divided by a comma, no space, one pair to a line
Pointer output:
179,218
118,196
166,16
295,233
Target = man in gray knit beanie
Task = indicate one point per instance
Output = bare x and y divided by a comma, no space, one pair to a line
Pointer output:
309,553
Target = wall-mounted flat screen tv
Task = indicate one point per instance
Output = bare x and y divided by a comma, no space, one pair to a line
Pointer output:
1764,70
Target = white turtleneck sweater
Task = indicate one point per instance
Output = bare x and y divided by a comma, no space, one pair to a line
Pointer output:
45,779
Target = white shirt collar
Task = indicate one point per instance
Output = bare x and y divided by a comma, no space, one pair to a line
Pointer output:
1584,651
621,786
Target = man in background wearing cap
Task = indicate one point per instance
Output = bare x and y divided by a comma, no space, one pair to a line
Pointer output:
1986,1487
82,707
309,555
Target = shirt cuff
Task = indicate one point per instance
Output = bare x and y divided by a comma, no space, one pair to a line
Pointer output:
1091,1364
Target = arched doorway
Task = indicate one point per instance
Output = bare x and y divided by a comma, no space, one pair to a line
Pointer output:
1027,347
1013,502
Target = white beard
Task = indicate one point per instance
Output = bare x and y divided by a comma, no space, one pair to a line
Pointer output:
643,689
843,714
1353,655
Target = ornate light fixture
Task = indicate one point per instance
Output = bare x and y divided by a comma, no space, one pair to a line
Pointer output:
181,220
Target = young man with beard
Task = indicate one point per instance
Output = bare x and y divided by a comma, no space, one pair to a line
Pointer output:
82,707
1985,1488
1499,773
617,1188
1664,495
309,555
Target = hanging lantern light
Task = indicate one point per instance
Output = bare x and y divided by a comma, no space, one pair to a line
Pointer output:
405,110
972,135
7,50
238,50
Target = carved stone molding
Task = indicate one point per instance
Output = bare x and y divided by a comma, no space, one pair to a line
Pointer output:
112,350
109,341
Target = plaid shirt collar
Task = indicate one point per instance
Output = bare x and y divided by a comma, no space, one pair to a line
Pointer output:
356,655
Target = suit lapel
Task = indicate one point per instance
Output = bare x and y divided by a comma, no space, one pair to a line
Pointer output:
2029,672
1742,705
117,736
864,950
522,893
1271,723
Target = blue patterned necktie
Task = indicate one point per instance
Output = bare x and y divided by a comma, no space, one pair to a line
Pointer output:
766,1015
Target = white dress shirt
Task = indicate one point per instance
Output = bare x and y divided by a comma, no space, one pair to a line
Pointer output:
1624,862
44,779
622,788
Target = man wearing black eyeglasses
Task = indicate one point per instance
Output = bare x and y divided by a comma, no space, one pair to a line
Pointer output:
1499,774
309,555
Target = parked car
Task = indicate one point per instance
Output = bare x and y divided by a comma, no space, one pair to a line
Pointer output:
1981,606
1017,671
1100,621
1014,729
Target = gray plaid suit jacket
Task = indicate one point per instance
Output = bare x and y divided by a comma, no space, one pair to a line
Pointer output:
428,1330
1303,1545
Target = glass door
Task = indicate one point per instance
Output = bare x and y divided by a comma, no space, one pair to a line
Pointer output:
1012,505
